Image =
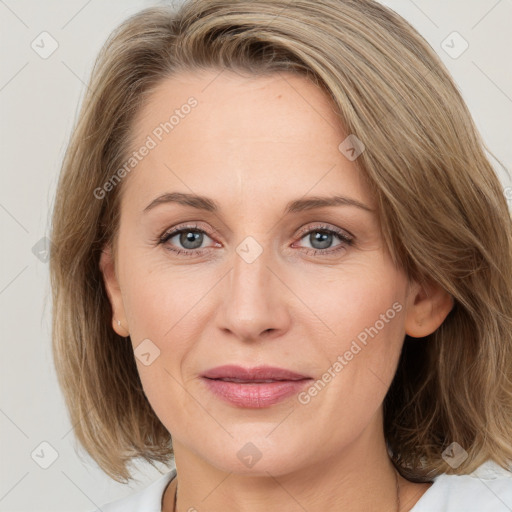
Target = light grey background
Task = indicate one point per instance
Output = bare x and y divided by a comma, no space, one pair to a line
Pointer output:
39,100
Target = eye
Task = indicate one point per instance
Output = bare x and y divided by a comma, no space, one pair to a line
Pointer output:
187,240
321,239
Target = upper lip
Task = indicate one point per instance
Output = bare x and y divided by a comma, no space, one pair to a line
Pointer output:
256,373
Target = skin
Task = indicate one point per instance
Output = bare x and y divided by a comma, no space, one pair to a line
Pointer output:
253,144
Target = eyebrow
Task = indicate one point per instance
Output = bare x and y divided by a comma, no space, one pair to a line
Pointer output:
298,205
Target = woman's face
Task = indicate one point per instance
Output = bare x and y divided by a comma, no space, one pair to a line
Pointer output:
261,274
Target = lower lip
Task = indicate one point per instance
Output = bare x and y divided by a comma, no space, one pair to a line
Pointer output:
255,395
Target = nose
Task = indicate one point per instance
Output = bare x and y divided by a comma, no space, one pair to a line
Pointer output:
255,300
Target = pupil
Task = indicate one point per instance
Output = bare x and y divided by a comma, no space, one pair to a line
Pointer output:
193,238
324,239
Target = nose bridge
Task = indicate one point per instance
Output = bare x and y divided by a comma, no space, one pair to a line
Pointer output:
252,304
249,280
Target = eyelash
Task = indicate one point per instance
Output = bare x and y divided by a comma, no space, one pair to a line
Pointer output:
345,239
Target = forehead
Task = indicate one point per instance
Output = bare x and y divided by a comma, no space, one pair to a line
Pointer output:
222,134
232,106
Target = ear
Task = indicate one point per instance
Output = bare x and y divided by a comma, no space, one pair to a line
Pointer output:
429,305
107,268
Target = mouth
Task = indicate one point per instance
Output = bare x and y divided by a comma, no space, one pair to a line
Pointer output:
253,387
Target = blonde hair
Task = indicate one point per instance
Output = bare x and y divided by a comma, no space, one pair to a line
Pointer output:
442,212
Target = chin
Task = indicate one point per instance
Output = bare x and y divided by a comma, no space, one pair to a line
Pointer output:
258,456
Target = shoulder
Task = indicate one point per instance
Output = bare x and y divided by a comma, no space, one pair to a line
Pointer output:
148,499
488,488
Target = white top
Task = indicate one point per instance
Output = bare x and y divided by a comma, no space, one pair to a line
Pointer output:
487,489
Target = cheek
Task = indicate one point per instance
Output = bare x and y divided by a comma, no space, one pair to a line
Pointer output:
160,300
160,312
165,306
362,334
357,299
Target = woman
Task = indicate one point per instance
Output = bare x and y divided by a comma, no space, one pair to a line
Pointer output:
278,241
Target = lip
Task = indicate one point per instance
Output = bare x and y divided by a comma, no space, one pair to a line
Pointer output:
231,371
246,389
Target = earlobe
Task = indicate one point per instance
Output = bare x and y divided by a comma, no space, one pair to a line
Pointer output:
107,268
429,306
